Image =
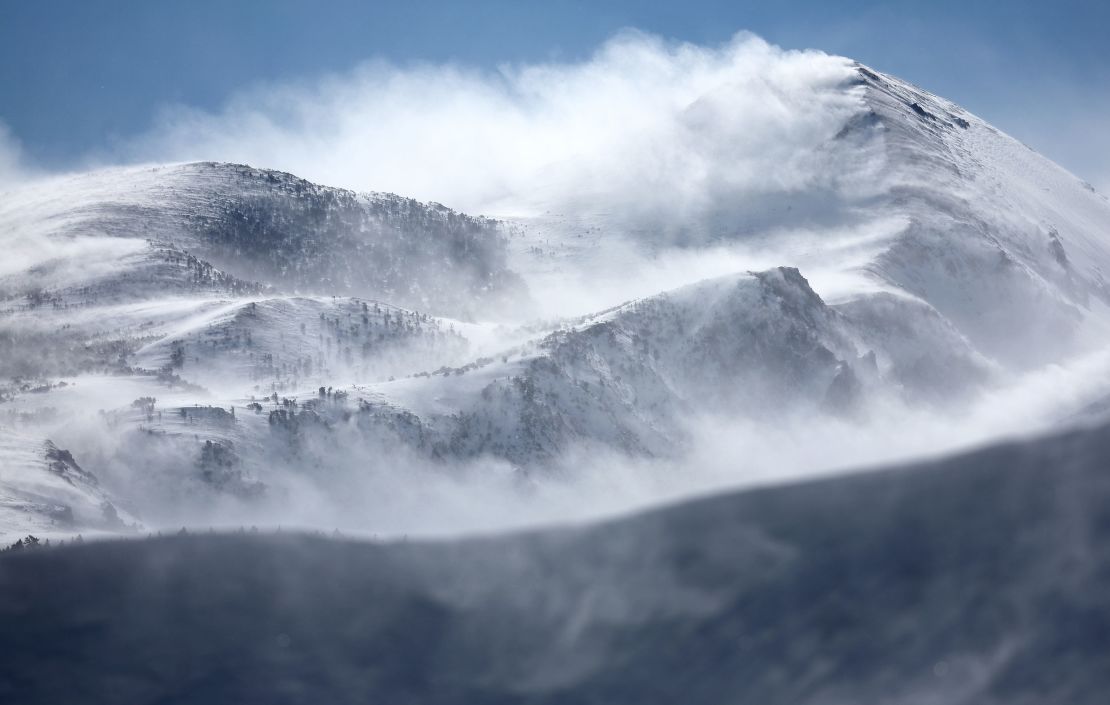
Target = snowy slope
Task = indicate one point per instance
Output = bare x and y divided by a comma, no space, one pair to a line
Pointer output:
44,491
754,345
268,227
909,194
280,344
1011,248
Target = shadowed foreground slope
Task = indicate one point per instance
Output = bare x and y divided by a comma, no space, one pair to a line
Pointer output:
978,579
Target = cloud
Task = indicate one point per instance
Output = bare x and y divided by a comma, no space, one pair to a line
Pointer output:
641,123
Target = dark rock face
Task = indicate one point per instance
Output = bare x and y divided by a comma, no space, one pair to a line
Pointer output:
976,579
61,463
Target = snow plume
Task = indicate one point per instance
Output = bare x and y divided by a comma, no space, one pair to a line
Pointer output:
13,168
390,491
642,124
364,482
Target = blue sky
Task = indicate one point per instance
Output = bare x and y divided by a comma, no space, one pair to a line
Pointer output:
80,78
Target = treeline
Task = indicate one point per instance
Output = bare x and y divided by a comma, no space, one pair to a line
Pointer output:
31,543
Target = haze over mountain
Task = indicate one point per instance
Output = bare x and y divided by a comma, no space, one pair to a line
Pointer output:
780,263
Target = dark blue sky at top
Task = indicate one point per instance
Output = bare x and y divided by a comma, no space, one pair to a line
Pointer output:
78,76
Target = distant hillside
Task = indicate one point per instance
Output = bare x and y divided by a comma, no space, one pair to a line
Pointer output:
978,579
280,231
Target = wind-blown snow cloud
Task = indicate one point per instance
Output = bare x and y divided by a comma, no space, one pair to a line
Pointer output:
642,121
13,170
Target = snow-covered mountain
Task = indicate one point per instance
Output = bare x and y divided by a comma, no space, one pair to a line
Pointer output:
1008,246
260,226
909,194
210,341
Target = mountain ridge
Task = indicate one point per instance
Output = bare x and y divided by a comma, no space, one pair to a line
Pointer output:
928,263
